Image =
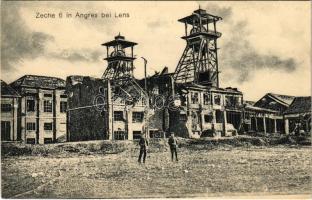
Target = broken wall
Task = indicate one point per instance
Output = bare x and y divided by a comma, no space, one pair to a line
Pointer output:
86,120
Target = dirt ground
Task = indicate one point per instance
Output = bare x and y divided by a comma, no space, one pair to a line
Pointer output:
199,173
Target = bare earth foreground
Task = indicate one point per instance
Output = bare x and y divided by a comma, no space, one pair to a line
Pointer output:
199,173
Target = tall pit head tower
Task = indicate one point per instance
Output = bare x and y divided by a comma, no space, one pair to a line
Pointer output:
199,61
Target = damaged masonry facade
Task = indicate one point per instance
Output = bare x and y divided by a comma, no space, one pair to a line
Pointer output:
117,106
188,102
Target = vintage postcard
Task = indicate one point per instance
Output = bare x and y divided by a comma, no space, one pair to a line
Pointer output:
156,99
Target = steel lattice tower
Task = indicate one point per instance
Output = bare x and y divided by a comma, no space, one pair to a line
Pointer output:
120,68
199,61
120,63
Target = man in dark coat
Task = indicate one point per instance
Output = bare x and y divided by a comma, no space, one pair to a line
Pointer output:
173,146
143,146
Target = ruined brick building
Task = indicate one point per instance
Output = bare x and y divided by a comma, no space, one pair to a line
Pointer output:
113,107
33,110
205,106
188,102
9,113
118,106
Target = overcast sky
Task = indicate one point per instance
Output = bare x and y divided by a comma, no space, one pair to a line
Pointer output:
265,46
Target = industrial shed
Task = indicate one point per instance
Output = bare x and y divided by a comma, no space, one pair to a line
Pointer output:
277,102
298,115
258,119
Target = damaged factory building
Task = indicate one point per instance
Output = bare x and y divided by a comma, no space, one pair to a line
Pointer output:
118,106
113,107
188,102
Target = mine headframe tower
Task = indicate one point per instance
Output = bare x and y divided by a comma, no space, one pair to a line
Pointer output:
120,68
199,61
120,59
119,73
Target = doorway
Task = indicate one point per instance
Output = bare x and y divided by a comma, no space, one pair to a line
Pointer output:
5,130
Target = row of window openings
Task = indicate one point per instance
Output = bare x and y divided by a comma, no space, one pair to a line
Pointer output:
51,95
136,116
47,106
195,98
5,107
31,126
207,99
63,96
122,135
207,118
230,101
33,140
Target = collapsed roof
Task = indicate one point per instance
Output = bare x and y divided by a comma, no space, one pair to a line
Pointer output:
8,91
299,105
34,81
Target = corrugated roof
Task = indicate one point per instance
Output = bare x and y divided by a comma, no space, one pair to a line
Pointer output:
204,17
120,40
284,98
35,81
7,90
255,108
299,105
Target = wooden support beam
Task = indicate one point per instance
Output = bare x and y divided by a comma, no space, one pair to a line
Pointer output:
286,124
224,123
256,123
264,124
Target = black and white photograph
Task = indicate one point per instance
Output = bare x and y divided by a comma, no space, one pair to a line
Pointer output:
156,99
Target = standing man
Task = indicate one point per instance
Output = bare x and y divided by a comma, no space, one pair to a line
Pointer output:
173,146
143,146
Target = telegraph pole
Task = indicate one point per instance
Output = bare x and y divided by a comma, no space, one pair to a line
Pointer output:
145,81
147,99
